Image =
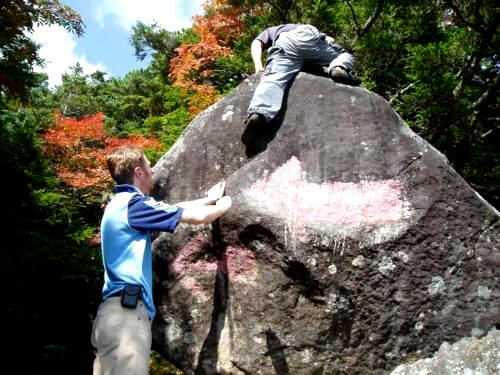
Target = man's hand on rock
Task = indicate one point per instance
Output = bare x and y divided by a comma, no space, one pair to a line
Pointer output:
224,203
259,69
217,191
330,39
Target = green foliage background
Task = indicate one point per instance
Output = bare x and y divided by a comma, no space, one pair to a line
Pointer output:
436,62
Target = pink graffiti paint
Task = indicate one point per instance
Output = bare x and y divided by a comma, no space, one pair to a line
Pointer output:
241,265
286,193
238,262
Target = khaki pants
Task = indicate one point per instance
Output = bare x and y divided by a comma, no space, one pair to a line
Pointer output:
122,337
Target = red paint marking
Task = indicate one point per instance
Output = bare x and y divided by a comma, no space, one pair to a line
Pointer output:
238,262
286,193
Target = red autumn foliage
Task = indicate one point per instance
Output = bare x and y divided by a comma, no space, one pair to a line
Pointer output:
77,148
72,131
217,29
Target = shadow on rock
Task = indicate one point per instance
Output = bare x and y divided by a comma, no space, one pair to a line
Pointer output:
275,351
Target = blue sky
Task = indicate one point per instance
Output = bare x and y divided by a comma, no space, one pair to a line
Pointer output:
105,44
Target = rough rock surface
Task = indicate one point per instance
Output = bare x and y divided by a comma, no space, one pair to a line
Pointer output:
352,245
469,356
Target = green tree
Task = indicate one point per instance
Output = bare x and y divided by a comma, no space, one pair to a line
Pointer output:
52,267
140,103
152,40
77,93
18,53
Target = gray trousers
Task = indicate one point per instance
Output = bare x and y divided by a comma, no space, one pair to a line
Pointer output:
286,57
122,338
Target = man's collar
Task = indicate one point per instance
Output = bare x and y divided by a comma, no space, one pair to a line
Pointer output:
126,188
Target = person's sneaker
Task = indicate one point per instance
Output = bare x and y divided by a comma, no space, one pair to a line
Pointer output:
343,76
252,125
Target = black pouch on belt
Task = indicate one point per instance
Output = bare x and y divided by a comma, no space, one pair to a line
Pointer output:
130,295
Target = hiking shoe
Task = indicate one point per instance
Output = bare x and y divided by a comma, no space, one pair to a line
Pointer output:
252,125
343,76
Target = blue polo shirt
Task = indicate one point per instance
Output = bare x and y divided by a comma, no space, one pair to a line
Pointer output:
126,240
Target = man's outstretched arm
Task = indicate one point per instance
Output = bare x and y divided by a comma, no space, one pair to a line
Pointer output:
206,214
214,193
206,210
256,51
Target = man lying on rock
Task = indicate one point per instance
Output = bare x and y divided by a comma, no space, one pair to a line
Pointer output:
289,47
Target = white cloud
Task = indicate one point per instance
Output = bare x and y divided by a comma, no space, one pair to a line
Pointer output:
170,14
58,51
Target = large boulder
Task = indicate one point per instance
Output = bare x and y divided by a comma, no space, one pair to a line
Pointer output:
352,245
468,356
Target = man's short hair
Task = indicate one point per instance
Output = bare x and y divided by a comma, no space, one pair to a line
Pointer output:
122,163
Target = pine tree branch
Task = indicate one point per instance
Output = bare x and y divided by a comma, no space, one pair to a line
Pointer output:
353,16
402,91
478,105
369,22
484,97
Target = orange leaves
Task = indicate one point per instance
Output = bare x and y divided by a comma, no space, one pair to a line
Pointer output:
70,131
222,22
193,64
77,149
113,143
92,177
204,96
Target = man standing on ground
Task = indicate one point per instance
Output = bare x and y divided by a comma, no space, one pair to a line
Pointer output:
289,47
121,332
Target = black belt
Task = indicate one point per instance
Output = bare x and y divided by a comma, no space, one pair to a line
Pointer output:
119,294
